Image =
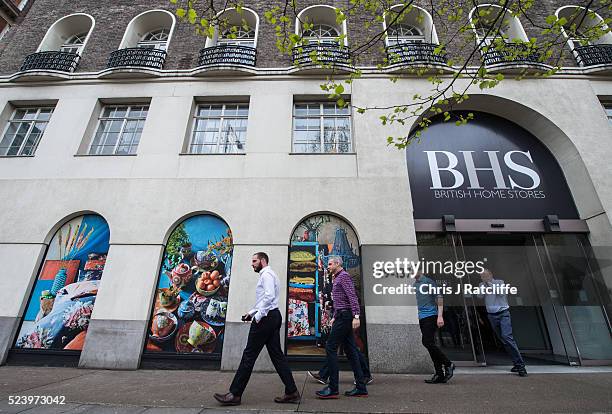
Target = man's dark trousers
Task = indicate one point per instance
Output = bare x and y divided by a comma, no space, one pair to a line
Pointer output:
365,368
502,325
428,327
342,332
265,332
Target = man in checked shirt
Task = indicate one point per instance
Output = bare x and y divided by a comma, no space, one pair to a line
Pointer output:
346,319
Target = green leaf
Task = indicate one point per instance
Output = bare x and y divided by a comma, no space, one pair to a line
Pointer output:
181,13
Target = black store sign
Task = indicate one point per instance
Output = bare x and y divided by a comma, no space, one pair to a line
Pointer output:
489,168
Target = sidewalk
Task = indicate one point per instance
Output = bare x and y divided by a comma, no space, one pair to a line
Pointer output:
472,390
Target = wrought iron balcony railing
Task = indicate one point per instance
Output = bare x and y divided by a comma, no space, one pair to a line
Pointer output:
322,54
415,53
137,56
51,60
594,55
515,53
228,55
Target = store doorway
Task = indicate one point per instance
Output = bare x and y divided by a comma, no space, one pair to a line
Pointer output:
559,314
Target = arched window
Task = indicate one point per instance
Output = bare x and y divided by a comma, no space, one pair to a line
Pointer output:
152,30
69,34
408,25
313,242
582,26
191,297
321,33
235,28
74,44
155,39
59,310
240,36
321,25
489,25
403,33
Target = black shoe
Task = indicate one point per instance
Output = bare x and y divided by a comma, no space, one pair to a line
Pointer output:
227,399
368,381
327,393
436,379
317,378
515,368
449,370
293,398
522,372
356,393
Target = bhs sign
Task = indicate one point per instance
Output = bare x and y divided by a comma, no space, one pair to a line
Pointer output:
489,168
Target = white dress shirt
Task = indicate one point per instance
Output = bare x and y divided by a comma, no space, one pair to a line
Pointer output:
494,303
267,293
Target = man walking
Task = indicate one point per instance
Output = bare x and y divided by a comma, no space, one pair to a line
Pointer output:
498,312
430,309
265,330
346,319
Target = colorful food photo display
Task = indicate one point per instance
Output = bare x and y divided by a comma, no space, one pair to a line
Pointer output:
309,308
59,310
191,296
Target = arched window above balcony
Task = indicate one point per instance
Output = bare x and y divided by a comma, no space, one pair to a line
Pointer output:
318,24
62,46
235,27
411,37
409,25
491,22
145,41
587,35
72,31
234,40
152,30
502,39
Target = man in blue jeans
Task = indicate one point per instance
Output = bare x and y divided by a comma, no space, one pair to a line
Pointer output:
498,312
345,321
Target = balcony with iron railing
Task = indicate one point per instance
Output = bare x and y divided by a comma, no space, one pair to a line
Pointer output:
51,60
139,57
228,55
512,54
322,54
417,53
591,55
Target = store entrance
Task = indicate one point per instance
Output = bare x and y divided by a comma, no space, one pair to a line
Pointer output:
560,314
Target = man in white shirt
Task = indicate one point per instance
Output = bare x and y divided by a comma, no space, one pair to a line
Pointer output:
498,312
266,322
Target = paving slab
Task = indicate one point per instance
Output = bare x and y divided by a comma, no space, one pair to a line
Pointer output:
190,392
14,378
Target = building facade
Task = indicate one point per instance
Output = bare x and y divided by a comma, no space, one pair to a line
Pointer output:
142,165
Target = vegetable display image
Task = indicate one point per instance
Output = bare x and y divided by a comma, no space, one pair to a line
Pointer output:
191,300
64,295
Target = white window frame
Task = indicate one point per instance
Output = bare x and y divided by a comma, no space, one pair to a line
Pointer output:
322,116
222,117
404,39
32,122
155,44
320,38
72,44
243,38
125,119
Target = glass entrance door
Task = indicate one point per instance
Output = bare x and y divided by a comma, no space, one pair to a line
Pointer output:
559,314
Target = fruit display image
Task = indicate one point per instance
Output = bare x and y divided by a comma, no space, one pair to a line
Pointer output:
191,298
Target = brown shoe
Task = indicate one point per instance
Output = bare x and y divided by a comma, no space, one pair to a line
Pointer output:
293,398
227,399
